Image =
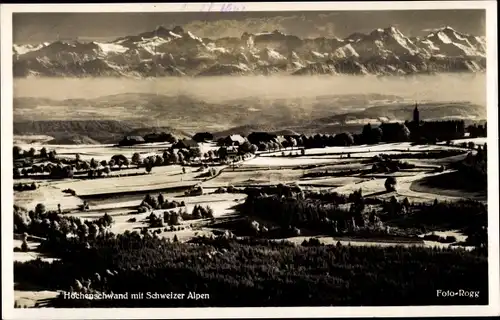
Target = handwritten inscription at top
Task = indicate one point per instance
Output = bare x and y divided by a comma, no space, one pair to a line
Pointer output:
214,7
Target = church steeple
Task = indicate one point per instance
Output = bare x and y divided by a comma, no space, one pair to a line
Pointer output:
416,114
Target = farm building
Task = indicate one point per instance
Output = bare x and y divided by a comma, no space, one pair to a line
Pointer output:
131,140
233,140
185,144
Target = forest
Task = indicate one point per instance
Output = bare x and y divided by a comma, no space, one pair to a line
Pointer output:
254,273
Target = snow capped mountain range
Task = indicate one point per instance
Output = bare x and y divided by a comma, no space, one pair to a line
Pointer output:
176,52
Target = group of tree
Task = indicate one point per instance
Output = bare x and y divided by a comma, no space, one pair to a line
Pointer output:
200,212
385,164
152,203
53,225
25,186
54,171
475,167
433,131
295,210
335,214
19,153
476,130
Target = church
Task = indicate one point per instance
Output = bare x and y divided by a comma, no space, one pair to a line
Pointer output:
434,130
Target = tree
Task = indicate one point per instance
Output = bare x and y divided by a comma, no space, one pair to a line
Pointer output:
161,199
43,152
173,158
85,165
194,153
180,157
394,132
245,147
68,172
166,157
104,163
40,209
149,167
107,219
158,161
175,239
17,173
371,135
222,153
93,231
31,152
285,144
17,152
377,135
77,157
253,148
390,184
24,246
136,157
93,163
343,139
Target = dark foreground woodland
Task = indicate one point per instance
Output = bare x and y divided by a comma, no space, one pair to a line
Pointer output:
255,273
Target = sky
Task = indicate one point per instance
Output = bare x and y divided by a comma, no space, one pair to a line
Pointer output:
42,27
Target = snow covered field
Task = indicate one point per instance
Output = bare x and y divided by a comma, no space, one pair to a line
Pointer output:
105,151
120,195
100,152
481,140
371,149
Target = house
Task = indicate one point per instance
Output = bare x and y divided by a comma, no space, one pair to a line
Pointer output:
228,153
131,140
231,152
233,140
185,144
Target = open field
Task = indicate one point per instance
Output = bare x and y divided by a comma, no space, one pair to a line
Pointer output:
266,169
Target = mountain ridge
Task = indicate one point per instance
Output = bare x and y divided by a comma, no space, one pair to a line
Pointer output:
178,52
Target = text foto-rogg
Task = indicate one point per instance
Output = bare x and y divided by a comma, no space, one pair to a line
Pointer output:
457,293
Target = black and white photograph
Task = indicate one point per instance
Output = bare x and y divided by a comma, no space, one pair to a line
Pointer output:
245,155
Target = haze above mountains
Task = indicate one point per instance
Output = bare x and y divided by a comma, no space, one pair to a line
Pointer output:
178,52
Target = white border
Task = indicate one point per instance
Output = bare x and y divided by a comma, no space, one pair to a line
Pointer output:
8,312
